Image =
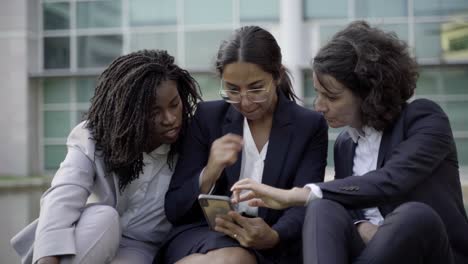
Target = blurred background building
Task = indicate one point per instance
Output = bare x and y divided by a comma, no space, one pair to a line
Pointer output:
51,52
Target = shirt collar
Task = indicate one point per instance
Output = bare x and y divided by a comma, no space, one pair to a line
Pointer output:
161,150
365,132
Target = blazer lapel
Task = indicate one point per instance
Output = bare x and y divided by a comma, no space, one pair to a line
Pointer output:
384,146
278,145
233,124
350,151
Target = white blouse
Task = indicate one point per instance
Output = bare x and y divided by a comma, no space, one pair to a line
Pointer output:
141,206
252,165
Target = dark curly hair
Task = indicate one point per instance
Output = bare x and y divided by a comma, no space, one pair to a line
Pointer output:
118,118
255,45
375,66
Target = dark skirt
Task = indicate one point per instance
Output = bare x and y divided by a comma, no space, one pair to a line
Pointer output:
199,238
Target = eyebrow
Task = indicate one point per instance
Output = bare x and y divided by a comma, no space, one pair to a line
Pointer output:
250,84
327,90
174,99
156,107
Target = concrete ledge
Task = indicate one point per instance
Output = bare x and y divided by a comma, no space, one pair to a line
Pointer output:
17,182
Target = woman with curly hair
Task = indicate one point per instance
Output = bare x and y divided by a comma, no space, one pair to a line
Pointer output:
396,197
124,154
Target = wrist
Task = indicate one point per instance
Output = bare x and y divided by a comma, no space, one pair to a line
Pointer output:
208,178
298,196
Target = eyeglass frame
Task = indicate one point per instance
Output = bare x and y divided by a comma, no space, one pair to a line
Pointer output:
246,93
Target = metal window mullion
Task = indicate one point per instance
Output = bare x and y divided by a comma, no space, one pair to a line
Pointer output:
235,14
72,104
180,32
351,10
411,31
125,26
73,37
41,118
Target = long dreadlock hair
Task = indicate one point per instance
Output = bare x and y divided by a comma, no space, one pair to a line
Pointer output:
121,109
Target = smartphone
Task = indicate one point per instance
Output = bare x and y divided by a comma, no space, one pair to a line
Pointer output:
214,205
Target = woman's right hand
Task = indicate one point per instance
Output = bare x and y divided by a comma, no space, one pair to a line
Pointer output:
262,195
49,260
223,153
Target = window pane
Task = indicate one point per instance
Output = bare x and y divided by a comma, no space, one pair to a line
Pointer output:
325,9
439,7
401,30
164,41
427,40
201,47
56,15
56,52
80,116
208,11
455,80
429,82
99,14
98,51
454,38
56,124
437,81
53,156
56,90
309,92
456,112
327,32
259,10
209,85
462,150
150,12
85,89
381,8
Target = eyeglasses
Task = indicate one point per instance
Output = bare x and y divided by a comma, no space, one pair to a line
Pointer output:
232,96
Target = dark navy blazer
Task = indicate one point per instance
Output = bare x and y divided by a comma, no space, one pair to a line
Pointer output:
417,162
296,155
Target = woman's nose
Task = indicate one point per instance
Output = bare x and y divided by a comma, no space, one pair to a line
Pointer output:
169,118
319,105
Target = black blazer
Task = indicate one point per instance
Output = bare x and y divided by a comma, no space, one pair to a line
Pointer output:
296,155
417,162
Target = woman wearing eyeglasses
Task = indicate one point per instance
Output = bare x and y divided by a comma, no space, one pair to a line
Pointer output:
396,197
257,132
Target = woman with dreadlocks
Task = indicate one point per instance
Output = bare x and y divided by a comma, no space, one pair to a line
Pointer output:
123,153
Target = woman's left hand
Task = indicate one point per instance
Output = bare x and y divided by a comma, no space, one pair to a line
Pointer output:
250,232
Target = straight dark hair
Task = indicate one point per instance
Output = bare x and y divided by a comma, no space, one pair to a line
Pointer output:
255,45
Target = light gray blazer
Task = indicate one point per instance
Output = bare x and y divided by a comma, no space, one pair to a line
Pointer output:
80,175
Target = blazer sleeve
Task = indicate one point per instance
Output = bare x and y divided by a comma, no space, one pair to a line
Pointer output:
62,203
311,169
427,143
181,198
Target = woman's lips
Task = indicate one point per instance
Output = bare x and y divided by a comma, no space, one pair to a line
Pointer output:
172,133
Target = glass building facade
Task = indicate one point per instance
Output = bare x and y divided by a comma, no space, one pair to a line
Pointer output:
79,38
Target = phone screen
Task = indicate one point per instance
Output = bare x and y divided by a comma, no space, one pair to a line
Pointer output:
213,207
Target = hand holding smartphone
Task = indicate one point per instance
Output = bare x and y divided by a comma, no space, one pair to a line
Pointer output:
214,205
